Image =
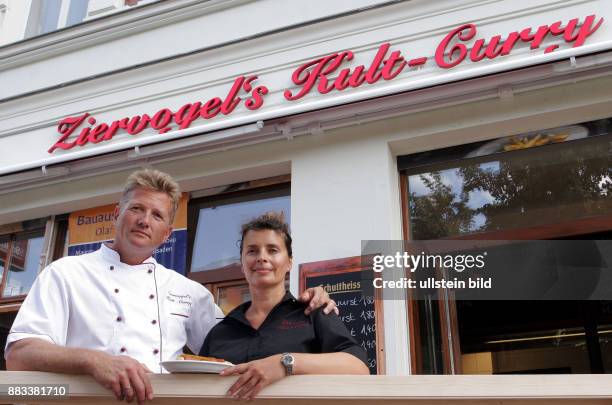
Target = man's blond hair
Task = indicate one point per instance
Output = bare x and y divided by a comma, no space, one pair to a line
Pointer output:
153,180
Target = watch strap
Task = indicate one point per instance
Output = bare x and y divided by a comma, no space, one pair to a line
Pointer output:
287,360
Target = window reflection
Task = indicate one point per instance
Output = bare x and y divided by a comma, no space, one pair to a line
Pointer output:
541,179
24,265
230,297
217,236
513,190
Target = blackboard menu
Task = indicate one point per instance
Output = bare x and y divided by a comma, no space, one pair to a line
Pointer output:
356,311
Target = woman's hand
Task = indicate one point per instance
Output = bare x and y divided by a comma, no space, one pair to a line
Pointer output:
255,375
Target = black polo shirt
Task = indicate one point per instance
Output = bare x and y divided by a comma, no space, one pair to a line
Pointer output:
285,329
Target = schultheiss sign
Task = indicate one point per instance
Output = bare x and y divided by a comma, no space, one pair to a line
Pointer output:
329,74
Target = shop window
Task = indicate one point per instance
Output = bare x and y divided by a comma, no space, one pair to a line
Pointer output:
20,255
214,226
548,184
49,15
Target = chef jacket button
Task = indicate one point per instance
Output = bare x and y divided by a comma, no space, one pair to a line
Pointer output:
112,267
154,321
151,296
116,290
149,271
155,351
123,350
119,319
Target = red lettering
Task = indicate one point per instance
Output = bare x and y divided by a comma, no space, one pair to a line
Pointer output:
192,113
323,87
584,32
137,124
539,36
341,81
346,78
476,53
306,78
84,135
161,119
256,100
94,134
556,29
451,51
394,59
373,75
357,78
492,50
457,51
211,108
232,100
509,43
526,35
446,58
66,127
114,127
247,83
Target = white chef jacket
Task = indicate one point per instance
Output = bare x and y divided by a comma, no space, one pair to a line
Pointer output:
95,301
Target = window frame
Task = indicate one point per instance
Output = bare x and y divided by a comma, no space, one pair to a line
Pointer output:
12,237
62,18
448,324
251,191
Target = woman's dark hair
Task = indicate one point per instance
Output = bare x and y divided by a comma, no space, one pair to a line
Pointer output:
273,221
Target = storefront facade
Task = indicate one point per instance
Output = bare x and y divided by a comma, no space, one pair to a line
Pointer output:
245,107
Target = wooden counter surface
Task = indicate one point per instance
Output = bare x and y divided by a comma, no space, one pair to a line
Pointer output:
183,389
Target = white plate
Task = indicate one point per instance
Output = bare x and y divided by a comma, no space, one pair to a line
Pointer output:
194,366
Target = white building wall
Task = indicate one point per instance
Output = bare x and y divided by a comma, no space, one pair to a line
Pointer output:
13,23
344,181
146,34
344,190
414,27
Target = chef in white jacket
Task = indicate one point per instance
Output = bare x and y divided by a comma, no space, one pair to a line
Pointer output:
116,313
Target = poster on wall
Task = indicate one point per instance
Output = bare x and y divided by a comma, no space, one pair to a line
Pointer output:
89,228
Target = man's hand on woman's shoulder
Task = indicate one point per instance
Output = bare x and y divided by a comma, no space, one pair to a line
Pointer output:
317,297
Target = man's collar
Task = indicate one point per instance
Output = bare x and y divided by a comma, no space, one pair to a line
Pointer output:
112,255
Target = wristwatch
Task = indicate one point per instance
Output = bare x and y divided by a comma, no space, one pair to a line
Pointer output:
287,360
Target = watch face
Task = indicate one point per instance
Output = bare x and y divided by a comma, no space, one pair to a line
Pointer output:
287,359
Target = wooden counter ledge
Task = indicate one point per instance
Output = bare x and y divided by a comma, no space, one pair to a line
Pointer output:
183,389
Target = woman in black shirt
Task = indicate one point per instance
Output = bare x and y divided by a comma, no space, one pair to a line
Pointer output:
270,336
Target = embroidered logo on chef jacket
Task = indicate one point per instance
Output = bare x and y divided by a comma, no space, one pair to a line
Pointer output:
179,304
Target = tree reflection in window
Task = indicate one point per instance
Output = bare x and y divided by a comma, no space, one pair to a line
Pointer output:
520,189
